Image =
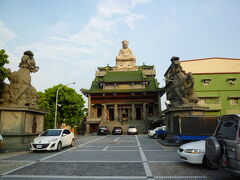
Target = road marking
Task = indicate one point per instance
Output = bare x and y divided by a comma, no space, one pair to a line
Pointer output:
70,149
180,161
180,177
56,154
144,159
49,161
116,139
8,172
91,141
112,146
104,149
76,177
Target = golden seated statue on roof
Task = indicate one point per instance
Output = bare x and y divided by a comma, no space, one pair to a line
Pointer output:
125,57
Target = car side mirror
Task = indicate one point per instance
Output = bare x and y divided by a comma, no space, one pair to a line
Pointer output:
64,134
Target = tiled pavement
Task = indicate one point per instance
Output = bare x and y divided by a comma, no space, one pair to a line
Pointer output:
106,157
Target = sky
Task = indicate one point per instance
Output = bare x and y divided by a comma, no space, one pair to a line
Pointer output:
71,38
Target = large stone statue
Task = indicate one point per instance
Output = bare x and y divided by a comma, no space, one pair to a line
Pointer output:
20,92
179,85
125,57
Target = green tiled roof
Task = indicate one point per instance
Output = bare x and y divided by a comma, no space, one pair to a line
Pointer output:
152,86
123,76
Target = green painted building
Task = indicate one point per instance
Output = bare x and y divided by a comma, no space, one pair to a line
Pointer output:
217,83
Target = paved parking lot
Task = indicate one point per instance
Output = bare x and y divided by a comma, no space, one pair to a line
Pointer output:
106,157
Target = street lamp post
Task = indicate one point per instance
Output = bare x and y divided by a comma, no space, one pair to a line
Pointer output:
56,105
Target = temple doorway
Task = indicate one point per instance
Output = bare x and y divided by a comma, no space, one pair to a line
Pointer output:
138,113
125,114
111,114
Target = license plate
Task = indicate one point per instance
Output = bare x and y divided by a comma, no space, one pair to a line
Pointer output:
39,146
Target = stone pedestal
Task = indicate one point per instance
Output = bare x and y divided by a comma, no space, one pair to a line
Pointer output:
19,125
172,114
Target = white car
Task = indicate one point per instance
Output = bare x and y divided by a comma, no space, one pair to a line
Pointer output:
152,132
53,139
132,130
194,153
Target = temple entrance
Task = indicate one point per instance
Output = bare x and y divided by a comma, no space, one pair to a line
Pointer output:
111,114
99,112
125,114
138,113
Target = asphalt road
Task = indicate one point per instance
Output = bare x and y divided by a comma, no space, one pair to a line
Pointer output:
106,157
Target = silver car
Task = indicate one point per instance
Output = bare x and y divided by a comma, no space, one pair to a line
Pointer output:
223,149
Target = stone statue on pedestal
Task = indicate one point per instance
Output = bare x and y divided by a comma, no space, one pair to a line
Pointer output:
20,92
125,57
180,85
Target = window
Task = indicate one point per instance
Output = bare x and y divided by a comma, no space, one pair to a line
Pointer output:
208,100
231,81
206,82
227,129
202,101
234,101
66,131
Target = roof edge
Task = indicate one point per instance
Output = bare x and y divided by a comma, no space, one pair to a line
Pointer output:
202,59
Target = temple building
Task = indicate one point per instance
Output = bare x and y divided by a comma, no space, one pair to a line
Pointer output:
123,95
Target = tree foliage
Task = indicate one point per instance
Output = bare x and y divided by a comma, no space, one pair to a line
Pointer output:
3,70
70,110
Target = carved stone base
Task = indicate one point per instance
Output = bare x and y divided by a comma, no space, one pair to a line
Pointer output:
18,126
173,114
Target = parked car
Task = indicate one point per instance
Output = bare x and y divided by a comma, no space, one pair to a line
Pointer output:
132,130
194,153
1,140
157,132
223,148
117,131
102,130
53,139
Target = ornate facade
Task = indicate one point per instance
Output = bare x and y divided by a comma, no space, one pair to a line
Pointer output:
123,95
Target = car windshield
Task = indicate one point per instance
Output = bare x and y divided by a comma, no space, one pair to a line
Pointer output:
51,133
102,127
227,129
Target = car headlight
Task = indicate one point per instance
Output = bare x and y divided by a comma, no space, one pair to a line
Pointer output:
192,151
52,140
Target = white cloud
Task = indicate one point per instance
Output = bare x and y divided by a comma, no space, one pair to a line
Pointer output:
77,50
5,34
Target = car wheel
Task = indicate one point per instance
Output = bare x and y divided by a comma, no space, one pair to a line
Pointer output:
213,149
72,143
155,136
59,146
208,164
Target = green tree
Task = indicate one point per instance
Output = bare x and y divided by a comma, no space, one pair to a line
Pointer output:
3,70
71,109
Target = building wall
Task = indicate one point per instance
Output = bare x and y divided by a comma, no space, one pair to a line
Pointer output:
220,92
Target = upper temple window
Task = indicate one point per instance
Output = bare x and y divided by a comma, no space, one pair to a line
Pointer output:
206,81
231,81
